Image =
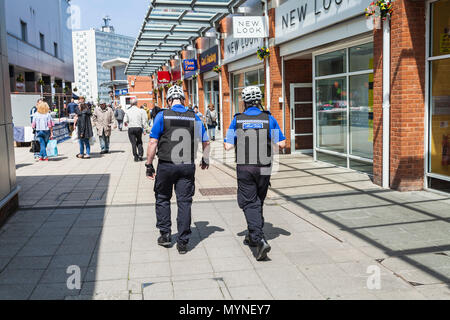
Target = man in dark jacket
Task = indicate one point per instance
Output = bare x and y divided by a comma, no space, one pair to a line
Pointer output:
119,114
85,132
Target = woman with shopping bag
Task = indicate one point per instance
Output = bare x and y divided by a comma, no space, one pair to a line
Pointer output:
83,127
43,124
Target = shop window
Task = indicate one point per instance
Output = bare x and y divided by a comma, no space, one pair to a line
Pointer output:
240,81
439,103
361,57
440,116
361,115
251,78
344,107
332,114
440,26
331,63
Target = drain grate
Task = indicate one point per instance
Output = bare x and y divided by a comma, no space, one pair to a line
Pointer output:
218,191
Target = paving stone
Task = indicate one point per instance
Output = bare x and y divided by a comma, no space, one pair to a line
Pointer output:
231,264
199,294
241,278
20,276
108,286
54,291
29,262
60,275
191,267
64,261
250,293
107,272
16,291
153,269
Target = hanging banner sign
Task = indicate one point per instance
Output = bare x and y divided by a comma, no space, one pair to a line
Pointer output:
176,74
249,27
163,77
189,65
208,59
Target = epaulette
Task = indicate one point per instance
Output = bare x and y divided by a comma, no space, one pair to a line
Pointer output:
237,114
268,112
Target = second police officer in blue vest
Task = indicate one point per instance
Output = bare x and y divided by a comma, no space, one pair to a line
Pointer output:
175,136
254,134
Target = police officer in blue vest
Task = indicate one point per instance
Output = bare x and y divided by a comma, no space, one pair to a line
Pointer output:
175,135
254,134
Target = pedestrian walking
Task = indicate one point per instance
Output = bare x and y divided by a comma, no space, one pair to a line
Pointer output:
72,109
145,115
35,144
103,119
254,133
43,124
211,121
135,121
119,114
84,127
175,135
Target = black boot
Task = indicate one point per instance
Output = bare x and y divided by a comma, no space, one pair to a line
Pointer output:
182,248
263,250
249,242
164,240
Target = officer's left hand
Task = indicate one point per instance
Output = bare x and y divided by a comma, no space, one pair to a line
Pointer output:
150,172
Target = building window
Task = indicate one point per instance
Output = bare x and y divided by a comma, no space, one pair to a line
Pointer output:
24,30
242,80
42,41
439,100
55,49
344,107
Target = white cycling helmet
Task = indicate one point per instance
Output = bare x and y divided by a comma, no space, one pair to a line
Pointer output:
175,92
251,94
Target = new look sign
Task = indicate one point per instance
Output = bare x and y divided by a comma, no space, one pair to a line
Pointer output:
297,18
249,27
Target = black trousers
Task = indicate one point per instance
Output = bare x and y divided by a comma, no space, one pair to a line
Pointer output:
252,192
135,136
182,177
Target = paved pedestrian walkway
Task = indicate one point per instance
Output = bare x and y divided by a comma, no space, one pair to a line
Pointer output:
331,230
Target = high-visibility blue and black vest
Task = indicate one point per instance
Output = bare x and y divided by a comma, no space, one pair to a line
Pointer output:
253,145
177,143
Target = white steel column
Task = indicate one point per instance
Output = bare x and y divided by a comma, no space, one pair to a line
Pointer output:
386,101
219,62
267,64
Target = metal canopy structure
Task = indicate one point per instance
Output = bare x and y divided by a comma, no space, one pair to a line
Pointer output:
170,26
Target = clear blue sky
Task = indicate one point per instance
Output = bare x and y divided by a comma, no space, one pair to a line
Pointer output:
126,16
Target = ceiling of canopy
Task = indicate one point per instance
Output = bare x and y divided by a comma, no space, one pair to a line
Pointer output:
170,26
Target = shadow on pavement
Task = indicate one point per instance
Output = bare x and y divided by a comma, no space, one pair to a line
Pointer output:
204,230
49,249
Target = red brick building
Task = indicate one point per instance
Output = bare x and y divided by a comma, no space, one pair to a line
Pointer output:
334,77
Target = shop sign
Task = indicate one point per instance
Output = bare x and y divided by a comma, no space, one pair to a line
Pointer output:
121,92
163,77
176,74
240,48
189,65
249,27
297,18
208,59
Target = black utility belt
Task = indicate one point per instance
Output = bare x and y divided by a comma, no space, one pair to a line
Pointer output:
254,165
171,162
